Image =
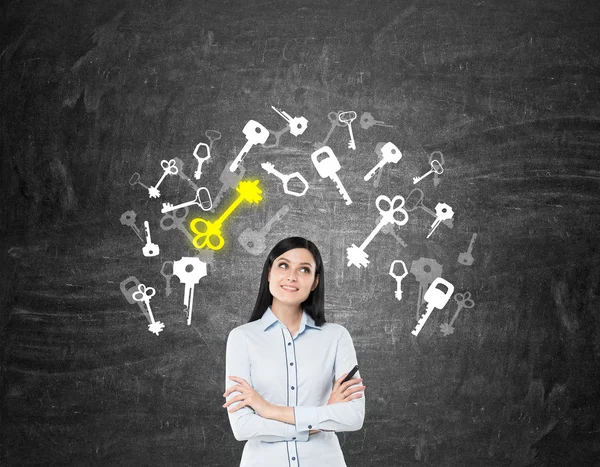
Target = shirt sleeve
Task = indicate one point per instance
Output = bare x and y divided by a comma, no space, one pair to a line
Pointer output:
245,423
344,416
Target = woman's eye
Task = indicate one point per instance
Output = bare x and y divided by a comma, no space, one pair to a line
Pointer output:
305,270
282,265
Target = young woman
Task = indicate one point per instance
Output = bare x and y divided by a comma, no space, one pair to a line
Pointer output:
285,367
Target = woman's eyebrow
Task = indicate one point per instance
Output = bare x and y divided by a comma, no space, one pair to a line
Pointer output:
301,264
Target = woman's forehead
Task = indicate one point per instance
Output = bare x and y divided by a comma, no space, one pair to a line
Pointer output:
298,255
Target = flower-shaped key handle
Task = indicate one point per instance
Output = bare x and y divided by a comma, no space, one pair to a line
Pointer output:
144,294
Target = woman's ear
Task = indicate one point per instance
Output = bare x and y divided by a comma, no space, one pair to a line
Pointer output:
315,283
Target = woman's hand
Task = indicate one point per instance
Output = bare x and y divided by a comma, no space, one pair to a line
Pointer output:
345,393
248,398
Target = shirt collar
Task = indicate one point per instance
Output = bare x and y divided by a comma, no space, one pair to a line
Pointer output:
269,318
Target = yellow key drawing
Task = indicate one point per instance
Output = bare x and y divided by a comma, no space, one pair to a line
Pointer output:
248,191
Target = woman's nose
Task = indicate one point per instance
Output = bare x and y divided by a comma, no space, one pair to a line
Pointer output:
292,276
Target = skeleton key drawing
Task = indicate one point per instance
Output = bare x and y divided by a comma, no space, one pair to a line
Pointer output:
149,249
440,157
328,167
212,135
201,160
390,154
356,255
128,294
377,178
418,203
167,276
229,180
169,168
333,118
466,258
189,270
463,301
205,205
135,180
286,179
389,229
425,270
435,167
248,191
297,125
128,218
443,212
171,220
255,134
435,298
367,121
398,293
348,118
182,175
254,241
144,294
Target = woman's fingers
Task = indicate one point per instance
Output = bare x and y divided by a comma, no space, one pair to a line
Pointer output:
241,381
354,389
235,399
230,389
338,381
351,382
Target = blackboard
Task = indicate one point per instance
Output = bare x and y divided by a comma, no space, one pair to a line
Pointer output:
507,92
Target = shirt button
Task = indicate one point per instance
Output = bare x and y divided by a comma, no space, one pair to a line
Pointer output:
293,458
293,388
309,427
294,437
289,343
292,364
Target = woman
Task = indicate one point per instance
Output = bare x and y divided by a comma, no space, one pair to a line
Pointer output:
285,368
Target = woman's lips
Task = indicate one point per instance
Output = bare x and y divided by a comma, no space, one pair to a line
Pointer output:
289,288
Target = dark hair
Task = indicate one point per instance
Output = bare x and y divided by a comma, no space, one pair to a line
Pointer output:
314,305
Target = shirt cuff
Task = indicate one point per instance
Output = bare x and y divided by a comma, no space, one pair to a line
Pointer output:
306,418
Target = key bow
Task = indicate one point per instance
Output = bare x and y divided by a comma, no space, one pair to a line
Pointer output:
206,237
169,166
389,213
143,293
464,300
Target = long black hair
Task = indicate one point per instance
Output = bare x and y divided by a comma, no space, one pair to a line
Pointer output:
314,305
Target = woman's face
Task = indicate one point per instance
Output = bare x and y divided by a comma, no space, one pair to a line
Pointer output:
292,277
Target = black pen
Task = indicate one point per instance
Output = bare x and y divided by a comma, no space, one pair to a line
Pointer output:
351,374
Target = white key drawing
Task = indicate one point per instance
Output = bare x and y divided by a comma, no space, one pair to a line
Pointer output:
189,270
149,249
212,135
439,157
169,168
254,241
297,125
466,258
229,180
144,294
425,270
463,301
412,204
135,180
377,178
183,176
443,212
167,276
348,117
389,229
333,118
286,179
205,205
255,134
398,293
128,218
328,167
391,155
435,167
367,121
201,160
435,298
128,294
356,254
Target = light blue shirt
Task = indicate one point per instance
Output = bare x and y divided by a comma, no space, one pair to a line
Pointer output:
296,371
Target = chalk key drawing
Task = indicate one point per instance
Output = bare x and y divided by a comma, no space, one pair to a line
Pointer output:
201,160
149,249
439,157
348,118
333,118
144,294
168,276
189,270
463,301
390,155
398,278
128,294
418,203
435,298
169,168
297,125
270,168
229,180
255,134
443,212
367,121
128,218
466,258
204,204
435,167
211,234
328,167
425,270
356,255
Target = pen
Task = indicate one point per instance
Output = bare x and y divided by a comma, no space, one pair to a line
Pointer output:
351,374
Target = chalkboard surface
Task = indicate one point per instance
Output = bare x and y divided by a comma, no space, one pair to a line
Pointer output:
506,92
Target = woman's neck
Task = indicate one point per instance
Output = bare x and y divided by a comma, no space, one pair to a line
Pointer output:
289,315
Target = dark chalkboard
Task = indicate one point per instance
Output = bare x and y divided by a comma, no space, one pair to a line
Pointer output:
508,94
